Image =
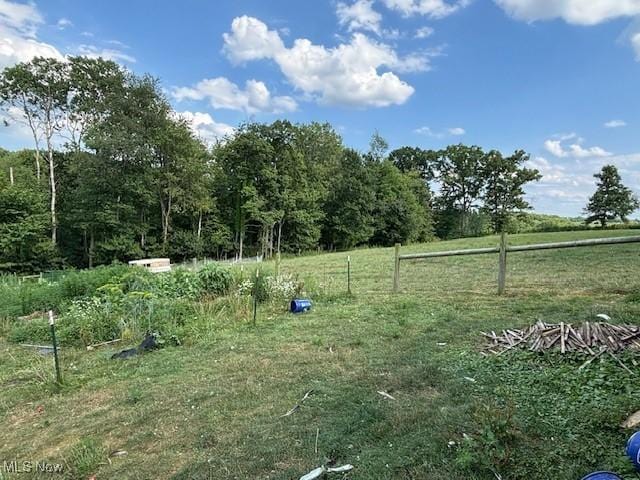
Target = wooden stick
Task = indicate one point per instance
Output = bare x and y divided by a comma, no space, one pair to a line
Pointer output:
91,347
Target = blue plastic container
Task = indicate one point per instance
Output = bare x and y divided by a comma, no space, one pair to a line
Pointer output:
633,449
300,305
602,476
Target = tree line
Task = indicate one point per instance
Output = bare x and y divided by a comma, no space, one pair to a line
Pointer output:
115,174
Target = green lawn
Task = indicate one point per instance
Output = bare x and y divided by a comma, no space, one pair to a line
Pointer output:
213,409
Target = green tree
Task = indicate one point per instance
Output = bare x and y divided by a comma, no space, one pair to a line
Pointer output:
24,220
415,159
38,93
349,208
401,213
611,199
461,174
503,192
378,147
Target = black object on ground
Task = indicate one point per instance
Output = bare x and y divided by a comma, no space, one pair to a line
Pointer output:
150,342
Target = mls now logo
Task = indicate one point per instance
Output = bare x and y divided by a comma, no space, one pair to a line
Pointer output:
29,467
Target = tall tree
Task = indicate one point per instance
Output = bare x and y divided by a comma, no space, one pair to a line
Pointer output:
611,199
415,159
401,213
39,90
378,147
244,171
503,192
349,207
24,243
460,172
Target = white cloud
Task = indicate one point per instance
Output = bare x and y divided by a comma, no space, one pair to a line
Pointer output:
429,8
555,148
635,43
428,131
424,32
615,124
64,23
575,150
222,93
251,39
567,184
19,24
360,15
22,17
580,12
91,51
205,127
347,74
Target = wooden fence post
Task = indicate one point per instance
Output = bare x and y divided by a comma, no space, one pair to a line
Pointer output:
396,270
502,263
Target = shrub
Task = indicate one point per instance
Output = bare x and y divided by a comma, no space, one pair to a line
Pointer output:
215,279
180,282
32,331
89,321
34,297
84,283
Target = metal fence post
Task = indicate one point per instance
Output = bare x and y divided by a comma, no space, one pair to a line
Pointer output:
502,263
396,270
55,347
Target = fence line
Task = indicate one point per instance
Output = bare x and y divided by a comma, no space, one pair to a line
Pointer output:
502,250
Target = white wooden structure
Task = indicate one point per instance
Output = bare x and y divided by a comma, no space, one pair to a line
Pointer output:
154,265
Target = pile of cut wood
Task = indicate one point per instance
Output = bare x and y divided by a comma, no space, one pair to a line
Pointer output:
592,338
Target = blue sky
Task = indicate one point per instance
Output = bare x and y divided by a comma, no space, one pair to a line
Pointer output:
559,79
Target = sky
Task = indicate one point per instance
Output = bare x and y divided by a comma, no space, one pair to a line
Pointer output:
556,78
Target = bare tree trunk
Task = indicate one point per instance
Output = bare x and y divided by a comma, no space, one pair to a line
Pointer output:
92,243
85,245
52,182
279,234
142,235
199,223
34,132
37,155
241,242
166,215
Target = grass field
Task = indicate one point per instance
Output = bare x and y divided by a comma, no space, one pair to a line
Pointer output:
214,409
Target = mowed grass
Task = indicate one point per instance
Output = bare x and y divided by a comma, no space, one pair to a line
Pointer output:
214,409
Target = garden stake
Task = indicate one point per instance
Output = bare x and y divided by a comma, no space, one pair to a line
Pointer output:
349,274
255,298
55,347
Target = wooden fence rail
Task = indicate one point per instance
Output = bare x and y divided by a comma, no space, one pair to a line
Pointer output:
502,250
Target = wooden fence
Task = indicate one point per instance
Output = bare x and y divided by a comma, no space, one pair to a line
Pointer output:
502,251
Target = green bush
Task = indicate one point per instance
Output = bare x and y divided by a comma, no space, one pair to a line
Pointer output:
179,282
89,321
35,297
215,279
85,283
32,331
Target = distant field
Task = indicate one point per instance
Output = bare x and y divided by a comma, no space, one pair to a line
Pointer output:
214,409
